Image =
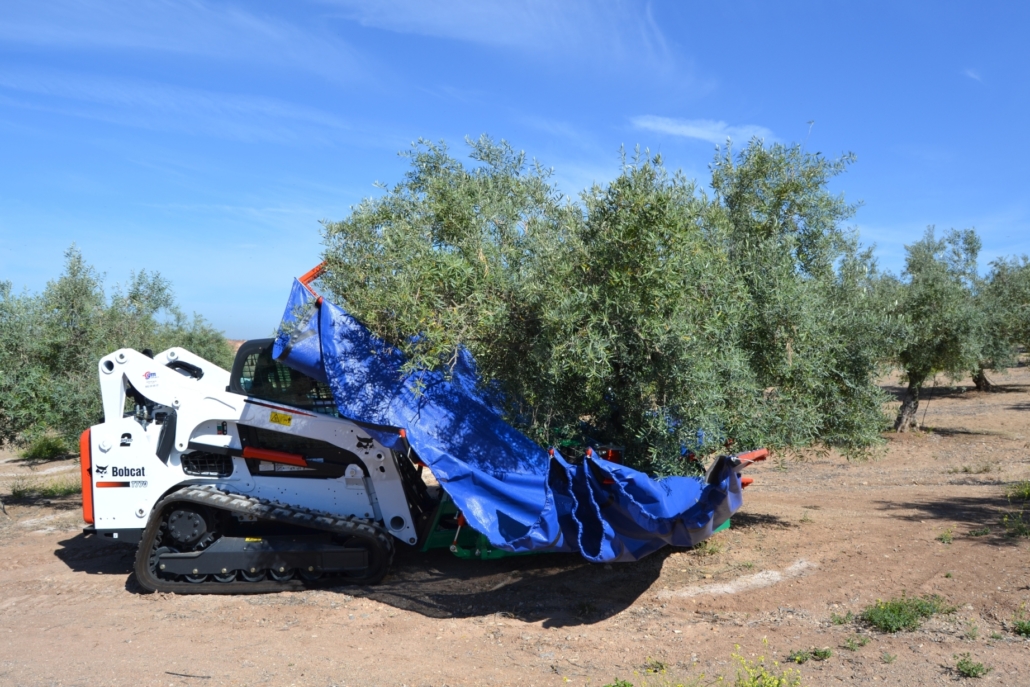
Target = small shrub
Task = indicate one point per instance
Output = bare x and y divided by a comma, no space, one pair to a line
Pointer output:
1021,628
1020,491
756,674
822,654
948,575
888,658
966,667
945,537
45,447
1016,524
653,665
972,631
855,643
904,613
26,489
995,635
842,619
980,532
799,656
970,470
708,548
619,683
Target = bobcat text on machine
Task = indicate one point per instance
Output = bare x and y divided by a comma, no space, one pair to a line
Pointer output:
246,481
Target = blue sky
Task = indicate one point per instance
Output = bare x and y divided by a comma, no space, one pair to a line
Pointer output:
206,139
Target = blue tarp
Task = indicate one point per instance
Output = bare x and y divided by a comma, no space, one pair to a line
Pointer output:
508,487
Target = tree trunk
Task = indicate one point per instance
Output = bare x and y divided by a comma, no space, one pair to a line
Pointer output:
907,412
981,382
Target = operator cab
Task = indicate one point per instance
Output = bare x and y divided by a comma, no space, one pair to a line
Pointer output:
257,374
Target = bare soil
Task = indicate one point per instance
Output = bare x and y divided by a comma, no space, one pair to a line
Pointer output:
816,538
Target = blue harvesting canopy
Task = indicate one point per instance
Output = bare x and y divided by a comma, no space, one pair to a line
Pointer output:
517,494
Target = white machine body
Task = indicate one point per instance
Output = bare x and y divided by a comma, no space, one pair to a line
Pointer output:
136,458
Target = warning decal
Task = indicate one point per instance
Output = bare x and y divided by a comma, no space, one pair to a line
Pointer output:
280,418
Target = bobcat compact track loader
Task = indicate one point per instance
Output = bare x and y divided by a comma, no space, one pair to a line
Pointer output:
241,481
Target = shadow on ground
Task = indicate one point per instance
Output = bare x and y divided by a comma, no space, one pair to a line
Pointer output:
972,515
928,394
92,557
559,589
556,589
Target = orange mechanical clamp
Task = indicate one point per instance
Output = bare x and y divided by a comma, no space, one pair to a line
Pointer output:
753,456
310,276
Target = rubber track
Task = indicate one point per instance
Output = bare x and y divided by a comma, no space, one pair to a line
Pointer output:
211,496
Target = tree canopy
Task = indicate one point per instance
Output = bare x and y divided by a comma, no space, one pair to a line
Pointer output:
51,342
646,312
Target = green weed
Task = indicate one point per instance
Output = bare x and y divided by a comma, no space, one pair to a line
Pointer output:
1016,524
26,489
980,532
619,683
708,548
972,631
966,667
855,643
995,635
653,665
888,658
945,537
756,674
948,575
842,619
970,470
904,613
1021,628
1020,491
822,654
799,656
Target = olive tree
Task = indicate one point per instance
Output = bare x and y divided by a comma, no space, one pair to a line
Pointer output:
943,320
645,312
50,344
1003,298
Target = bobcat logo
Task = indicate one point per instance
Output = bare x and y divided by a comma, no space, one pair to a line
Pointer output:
101,470
364,442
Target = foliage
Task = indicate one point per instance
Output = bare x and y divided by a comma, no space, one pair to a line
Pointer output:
904,613
1021,627
646,314
1020,491
888,658
966,667
842,619
945,537
855,643
756,674
1016,524
802,656
1003,297
24,489
45,447
943,323
50,344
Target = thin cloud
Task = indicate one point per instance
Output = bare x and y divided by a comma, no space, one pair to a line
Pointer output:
158,106
972,74
190,28
702,129
609,31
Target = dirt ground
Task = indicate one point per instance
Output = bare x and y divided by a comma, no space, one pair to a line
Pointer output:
815,538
